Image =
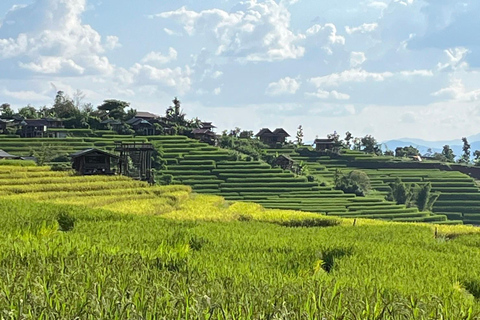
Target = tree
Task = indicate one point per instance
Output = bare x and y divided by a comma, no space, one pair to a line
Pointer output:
370,145
114,109
476,154
6,110
299,136
400,193
355,181
409,151
63,106
447,152
28,112
466,151
348,140
425,199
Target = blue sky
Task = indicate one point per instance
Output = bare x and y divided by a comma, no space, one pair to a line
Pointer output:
390,68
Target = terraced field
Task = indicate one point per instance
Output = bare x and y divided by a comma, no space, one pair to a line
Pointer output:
210,170
459,194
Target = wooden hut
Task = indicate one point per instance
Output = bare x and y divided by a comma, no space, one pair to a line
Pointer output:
283,161
324,144
278,136
92,161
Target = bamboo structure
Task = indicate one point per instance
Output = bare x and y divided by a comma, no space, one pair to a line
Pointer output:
139,154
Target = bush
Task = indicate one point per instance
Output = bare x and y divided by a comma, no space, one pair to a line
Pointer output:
355,181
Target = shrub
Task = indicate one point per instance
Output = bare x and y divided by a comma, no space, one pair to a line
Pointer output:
355,181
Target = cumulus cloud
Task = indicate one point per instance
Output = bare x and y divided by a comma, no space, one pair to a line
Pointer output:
285,85
455,58
351,75
159,58
324,94
364,28
325,36
142,74
458,92
357,58
258,31
49,37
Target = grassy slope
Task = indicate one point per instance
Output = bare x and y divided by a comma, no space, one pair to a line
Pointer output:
204,258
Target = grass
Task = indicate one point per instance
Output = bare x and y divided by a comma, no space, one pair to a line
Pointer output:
163,252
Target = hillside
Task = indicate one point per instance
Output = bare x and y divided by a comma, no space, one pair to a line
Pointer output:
211,170
85,252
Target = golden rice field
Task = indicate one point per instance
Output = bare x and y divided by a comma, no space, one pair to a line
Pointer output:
113,248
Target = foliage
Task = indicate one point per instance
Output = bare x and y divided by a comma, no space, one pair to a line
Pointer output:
400,192
253,148
370,145
409,151
299,136
6,111
114,109
447,153
424,198
356,182
466,152
413,194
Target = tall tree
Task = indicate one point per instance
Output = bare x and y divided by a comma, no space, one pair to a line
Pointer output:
447,152
299,136
28,112
425,199
348,140
63,106
370,145
114,109
466,151
6,110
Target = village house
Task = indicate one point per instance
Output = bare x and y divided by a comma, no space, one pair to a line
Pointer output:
37,128
278,136
284,161
111,124
324,144
205,133
146,115
142,127
93,161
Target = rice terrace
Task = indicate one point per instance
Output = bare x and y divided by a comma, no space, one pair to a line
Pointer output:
323,162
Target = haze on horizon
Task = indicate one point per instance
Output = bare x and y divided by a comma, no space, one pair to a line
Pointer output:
390,68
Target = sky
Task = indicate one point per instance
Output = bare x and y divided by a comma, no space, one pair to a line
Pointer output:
389,68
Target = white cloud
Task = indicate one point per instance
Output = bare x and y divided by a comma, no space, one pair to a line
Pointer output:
458,92
26,95
49,37
422,73
378,5
143,74
217,91
324,36
357,58
112,43
455,59
217,74
323,94
364,28
285,85
258,31
352,75
159,58
51,65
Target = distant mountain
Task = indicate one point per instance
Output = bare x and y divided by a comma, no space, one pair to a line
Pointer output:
436,146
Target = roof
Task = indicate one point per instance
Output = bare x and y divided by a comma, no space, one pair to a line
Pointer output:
145,114
91,150
328,141
203,131
207,125
5,155
52,119
264,131
281,131
110,121
286,157
35,122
